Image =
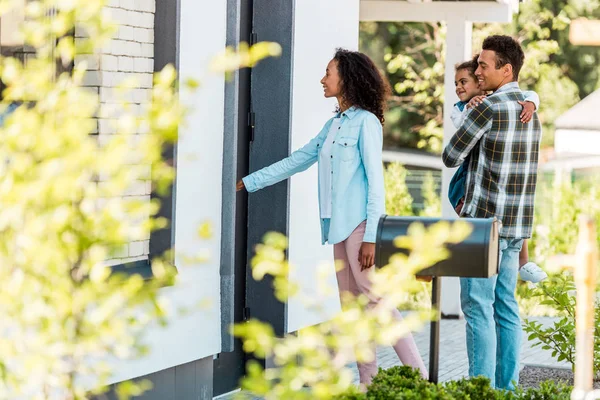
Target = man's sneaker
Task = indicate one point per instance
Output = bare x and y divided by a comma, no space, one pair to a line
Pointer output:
531,272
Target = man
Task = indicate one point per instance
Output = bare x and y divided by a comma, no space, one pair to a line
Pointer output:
501,182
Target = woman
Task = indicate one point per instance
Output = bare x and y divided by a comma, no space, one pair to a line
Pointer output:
351,192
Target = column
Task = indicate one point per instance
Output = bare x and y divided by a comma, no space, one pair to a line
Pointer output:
458,49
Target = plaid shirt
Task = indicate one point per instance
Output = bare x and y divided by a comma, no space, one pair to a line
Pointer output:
502,173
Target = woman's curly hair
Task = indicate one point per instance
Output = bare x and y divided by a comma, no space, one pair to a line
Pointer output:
362,85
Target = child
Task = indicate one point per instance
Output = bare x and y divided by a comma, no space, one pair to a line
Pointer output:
467,90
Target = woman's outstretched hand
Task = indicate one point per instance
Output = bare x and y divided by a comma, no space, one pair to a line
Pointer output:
240,186
366,255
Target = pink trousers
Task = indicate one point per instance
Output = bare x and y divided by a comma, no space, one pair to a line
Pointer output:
352,279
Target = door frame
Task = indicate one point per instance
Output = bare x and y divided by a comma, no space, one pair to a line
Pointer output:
258,126
229,365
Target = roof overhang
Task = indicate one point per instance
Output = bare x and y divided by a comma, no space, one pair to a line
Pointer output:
433,11
577,141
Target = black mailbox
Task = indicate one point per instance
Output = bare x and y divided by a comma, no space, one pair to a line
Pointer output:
475,257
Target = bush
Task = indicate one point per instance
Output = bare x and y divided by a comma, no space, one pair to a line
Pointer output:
548,390
405,383
560,337
432,206
352,394
560,200
398,200
313,364
66,318
473,388
401,383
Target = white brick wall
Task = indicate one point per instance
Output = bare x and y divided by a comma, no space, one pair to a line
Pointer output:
137,248
92,78
147,50
92,60
127,4
143,35
126,32
128,55
144,65
145,5
109,62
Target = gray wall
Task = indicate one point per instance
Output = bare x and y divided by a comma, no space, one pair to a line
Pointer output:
192,381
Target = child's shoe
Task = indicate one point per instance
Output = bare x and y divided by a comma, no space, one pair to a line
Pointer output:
531,272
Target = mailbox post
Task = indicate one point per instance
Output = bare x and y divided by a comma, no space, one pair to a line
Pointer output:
475,257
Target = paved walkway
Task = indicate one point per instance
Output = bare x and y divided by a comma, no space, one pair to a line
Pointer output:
453,353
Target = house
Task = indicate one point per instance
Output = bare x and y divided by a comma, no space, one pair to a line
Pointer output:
195,357
577,139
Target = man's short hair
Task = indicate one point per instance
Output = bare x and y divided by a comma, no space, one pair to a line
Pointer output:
508,51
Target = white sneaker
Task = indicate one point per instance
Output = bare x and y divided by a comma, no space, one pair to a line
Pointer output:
531,272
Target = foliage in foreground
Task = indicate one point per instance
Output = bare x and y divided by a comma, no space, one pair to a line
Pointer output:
559,205
559,293
317,358
66,319
404,383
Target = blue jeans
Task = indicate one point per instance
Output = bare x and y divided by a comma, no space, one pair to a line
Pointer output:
493,322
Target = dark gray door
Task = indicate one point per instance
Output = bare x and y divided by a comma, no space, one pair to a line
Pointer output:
263,105
229,366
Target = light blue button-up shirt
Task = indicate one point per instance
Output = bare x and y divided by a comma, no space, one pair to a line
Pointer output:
358,192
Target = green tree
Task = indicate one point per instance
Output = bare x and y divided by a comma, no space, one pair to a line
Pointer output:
62,310
62,214
398,200
412,54
432,203
560,72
